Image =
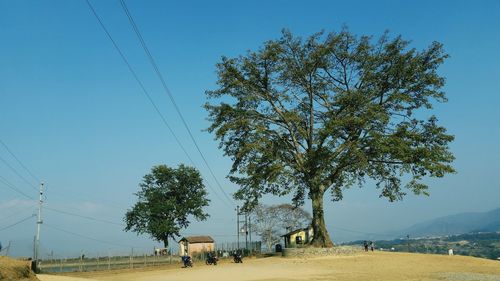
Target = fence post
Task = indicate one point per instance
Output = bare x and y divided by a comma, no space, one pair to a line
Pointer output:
81,261
109,262
132,259
145,260
60,265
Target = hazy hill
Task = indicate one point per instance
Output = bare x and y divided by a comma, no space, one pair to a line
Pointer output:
457,224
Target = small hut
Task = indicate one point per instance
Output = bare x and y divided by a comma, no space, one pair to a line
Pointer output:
190,245
298,237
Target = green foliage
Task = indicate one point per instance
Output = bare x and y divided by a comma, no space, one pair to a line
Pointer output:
167,199
482,245
303,116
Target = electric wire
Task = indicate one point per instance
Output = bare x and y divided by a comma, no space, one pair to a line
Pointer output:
20,162
16,213
110,222
82,216
164,84
17,173
33,176
119,224
78,195
146,93
16,223
11,186
86,237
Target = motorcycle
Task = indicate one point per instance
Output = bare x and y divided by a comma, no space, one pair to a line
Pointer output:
237,258
187,261
212,259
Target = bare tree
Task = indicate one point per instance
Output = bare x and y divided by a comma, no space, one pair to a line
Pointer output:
273,221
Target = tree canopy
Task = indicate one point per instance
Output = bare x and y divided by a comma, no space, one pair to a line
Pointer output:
306,116
166,201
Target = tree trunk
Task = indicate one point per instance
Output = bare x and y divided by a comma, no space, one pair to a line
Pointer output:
269,246
165,243
320,236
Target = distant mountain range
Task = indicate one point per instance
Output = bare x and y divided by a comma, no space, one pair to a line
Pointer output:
456,224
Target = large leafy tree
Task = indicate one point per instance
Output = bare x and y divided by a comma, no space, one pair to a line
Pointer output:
167,200
270,222
321,114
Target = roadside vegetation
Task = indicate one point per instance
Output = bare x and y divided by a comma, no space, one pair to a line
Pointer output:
481,245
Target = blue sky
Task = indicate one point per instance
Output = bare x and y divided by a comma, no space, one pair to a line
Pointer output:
71,111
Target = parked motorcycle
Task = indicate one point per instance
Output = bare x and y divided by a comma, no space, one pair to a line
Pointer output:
211,259
237,258
187,261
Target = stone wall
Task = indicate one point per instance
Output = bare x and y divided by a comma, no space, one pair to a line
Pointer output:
316,252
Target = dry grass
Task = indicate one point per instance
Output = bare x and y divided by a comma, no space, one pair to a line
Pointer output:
14,270
377,266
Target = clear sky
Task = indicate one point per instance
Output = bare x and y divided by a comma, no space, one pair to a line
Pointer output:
72,113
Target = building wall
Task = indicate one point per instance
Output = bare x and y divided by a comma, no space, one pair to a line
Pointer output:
294,236
306,237
195,248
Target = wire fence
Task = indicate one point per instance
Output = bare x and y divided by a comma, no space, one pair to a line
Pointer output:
52,264
104,263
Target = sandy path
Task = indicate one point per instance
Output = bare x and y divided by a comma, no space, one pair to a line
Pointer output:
376,266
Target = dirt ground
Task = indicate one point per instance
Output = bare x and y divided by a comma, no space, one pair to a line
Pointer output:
377,266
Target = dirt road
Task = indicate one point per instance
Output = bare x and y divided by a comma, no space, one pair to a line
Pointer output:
377,266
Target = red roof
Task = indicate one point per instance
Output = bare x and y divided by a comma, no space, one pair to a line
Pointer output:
198,239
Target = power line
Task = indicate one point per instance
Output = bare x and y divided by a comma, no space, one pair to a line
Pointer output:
86,237
164,84
17,173
84,217
19,161
146,93
11,186
115,223
109,203
16,223
33,176
16,213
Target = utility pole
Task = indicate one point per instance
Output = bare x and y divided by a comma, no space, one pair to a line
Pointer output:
408,242
246,231
250,232
8,249
38,224
238,224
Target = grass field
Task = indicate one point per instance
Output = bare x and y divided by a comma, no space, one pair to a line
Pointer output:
377,266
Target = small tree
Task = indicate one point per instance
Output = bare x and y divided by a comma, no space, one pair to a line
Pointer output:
168,197
270,222
308,116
